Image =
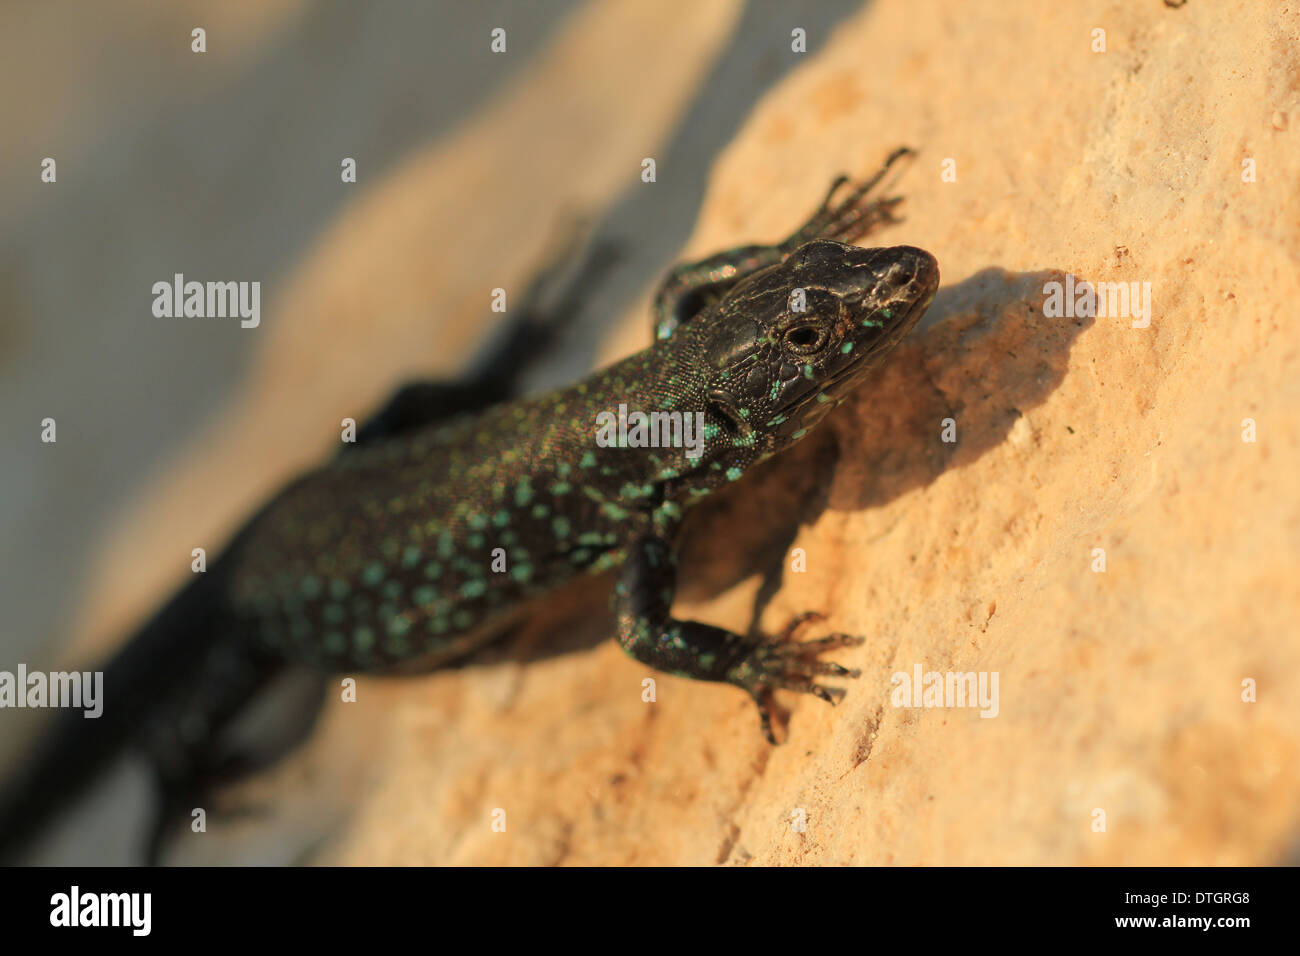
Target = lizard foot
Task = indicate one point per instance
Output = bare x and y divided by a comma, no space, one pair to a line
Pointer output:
851,218
791,665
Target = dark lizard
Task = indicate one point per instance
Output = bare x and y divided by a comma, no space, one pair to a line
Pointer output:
458,506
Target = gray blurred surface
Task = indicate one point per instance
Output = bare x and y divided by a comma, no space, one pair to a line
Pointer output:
235,181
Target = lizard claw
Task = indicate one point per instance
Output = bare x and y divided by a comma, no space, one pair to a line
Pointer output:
791,665
851,218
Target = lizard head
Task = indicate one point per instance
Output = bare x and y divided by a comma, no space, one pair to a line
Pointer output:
789,343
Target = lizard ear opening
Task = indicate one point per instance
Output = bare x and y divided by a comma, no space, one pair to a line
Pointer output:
725,405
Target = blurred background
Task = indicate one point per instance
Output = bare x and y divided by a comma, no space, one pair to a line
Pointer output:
225,165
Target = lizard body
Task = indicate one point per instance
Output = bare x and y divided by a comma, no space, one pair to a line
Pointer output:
411,546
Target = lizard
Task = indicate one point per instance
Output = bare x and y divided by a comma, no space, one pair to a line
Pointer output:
458,506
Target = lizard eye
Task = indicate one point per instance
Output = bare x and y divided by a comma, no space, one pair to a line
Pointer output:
805,339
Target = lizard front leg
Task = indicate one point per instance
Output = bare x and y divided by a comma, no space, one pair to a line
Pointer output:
648,631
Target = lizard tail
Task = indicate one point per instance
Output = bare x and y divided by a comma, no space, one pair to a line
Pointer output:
169,689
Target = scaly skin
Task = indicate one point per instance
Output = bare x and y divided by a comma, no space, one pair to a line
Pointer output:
408,547
457,505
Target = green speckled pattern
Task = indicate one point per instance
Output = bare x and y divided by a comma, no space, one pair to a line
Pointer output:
399,548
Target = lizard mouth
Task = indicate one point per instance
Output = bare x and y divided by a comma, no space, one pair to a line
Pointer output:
900,325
